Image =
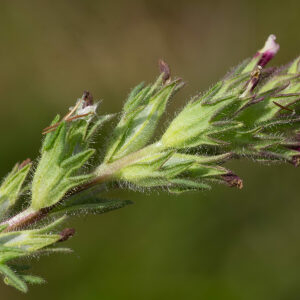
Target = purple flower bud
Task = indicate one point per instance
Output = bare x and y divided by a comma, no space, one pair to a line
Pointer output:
233,180
268,51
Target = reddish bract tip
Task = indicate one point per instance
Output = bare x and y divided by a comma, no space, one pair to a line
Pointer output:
164,68
24,163
66,234
233,180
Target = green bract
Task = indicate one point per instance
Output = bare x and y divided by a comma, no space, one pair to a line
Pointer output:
54,175
141,113
11,187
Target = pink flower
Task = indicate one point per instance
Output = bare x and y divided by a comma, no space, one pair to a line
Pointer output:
268,51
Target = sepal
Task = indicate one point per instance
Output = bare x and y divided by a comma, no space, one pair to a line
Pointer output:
141,115
62,156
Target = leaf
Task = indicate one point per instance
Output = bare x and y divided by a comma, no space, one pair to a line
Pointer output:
157,169
172,169
85,203
294,67
28,240
53,176
10,278
207,96
2,227
191,126
77,160
19,280
144,168
50,137
204,159
55,250
32,279
11,187
182,185
9,253
94,127
53,225
137,126
136,95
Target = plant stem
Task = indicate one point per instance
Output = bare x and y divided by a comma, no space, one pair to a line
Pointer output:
25,218
104,173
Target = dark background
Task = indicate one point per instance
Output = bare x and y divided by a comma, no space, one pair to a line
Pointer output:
223,244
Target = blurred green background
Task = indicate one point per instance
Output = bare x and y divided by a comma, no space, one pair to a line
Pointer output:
223,244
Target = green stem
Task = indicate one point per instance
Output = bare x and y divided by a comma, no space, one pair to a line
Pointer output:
104,173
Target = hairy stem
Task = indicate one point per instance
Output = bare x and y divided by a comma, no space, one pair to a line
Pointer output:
25,218
104,173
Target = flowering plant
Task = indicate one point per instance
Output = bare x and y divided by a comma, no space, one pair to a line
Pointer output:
253,112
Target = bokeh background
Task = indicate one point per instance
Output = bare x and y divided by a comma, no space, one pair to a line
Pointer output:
223,244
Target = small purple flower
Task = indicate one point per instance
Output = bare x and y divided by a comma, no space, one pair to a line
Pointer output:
268,51
260,59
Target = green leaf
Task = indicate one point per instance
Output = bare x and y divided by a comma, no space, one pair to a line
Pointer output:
50,137
76,160
55,250
157,169
27,240
94,127
138,123
180,185
285,93
191,126
32,279
9,253
53,176
18,280
86,203
12,279
136,96
2,227
11,187
294,67
145,167
52,226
